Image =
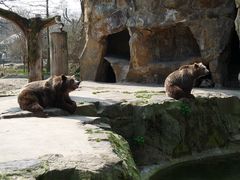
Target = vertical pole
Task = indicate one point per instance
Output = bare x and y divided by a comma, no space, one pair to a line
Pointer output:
48,40
59,53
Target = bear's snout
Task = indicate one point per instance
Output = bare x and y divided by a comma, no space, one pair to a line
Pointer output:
207,71
76,84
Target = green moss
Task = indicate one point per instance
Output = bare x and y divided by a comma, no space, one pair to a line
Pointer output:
43,168
98,139
185,109
4,177
141,103
143,96
126,92
121,148
180,150
91,131
98,92
179,107
146,94
139,140
215,140
212,142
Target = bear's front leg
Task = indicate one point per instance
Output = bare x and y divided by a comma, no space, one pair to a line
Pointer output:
73,107
70,107
68,100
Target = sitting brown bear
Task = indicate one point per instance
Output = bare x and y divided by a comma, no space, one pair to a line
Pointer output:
179,83
52,92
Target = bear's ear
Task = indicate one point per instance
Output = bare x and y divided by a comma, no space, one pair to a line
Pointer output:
196,65
64,78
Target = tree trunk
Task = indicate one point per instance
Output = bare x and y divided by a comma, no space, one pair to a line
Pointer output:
59,53
34,56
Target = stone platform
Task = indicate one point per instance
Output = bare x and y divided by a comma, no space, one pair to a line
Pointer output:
59,148
84,145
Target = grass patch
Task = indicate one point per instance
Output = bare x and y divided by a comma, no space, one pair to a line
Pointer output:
146,95
127,92
98,92
91,131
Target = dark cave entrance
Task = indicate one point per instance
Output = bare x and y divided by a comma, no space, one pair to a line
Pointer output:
117,51
105,73
233,67
118,45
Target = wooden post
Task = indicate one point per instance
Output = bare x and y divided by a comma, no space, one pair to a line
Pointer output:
59,53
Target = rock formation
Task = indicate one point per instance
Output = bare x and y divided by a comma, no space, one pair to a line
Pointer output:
152,38
157,129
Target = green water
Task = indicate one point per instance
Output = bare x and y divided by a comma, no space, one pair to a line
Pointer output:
227,168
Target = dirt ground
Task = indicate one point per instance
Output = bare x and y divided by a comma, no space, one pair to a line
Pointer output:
11,86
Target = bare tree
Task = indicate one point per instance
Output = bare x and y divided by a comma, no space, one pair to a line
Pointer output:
3,2
31,28
76,39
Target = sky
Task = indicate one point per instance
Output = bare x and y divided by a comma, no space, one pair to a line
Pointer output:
56,7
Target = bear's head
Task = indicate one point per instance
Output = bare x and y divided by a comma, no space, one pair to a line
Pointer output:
69,83
199,70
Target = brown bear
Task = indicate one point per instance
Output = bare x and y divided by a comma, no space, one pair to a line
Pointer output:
52,92
179,83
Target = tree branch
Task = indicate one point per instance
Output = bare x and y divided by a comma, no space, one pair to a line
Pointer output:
4,4
65,16
51,21
20,21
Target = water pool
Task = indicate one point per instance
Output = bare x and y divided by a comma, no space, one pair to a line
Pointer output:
221,168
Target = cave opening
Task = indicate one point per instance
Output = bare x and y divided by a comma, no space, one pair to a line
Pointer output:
117,52
105,73
118,45
233,67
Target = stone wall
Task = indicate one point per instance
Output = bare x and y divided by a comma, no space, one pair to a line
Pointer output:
162,36
164,132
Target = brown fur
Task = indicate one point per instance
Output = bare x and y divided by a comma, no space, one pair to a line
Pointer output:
52,92
179,83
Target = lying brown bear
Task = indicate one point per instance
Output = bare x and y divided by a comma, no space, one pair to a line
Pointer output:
179,83
52,92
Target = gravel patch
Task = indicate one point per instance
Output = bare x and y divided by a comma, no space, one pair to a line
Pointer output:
11,86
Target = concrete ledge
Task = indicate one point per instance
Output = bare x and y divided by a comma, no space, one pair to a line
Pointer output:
40,147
